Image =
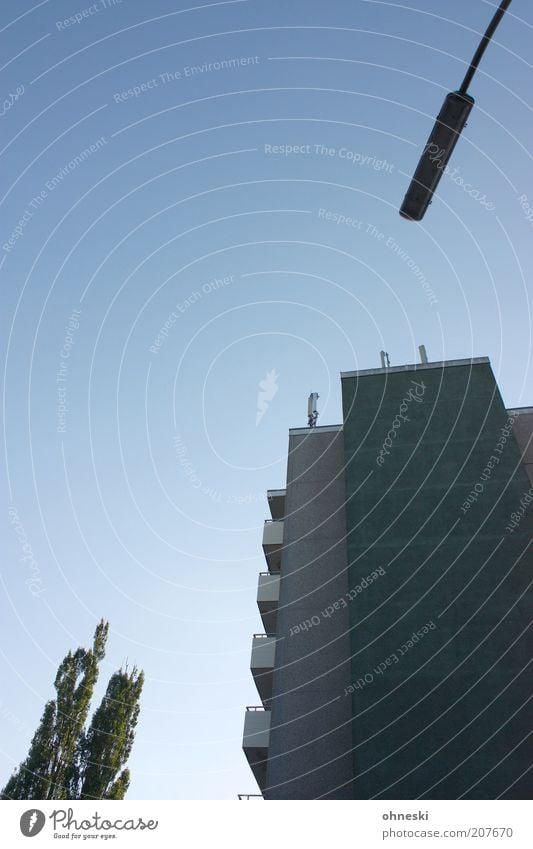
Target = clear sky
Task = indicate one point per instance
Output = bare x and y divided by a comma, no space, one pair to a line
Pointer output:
176,185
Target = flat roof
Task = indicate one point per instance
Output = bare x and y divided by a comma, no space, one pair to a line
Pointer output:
324,429
416,367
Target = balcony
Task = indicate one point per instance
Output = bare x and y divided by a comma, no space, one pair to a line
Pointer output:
273,543
268,599
256,740
262,664
276,502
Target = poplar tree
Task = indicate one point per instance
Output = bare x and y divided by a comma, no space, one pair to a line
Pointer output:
67,762
105,747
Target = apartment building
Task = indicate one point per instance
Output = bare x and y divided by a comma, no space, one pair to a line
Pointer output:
396,601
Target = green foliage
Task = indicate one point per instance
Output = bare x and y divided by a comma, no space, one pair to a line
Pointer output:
66,761
105,747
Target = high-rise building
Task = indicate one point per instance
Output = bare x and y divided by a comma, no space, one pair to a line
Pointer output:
396,658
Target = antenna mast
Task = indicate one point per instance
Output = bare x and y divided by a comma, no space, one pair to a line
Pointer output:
312,412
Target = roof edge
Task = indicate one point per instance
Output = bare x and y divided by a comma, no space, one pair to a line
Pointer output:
416,367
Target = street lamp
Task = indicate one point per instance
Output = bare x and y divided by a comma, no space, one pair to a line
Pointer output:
450,122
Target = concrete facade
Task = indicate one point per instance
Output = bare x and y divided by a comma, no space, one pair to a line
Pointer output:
310,737
523,431
440,645
402,641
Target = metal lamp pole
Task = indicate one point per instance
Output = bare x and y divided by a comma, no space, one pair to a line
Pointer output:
450,122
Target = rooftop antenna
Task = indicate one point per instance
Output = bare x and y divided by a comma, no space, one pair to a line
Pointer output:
423,355
312,412
385,362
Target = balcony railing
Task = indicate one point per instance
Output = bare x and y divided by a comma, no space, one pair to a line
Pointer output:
262,664
272,543
276,502
268,589
256,740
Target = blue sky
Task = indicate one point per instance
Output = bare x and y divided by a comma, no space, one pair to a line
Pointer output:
221,184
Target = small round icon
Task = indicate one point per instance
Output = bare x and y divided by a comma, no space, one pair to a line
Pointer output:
32,822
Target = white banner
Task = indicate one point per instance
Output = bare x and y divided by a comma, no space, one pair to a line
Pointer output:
361,824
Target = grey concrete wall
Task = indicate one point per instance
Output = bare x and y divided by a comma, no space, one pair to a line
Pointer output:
311,733
523,431
439,713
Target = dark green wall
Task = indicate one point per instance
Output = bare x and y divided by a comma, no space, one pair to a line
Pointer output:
450,692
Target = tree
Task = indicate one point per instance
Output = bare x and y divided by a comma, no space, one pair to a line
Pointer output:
106,746
67,762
